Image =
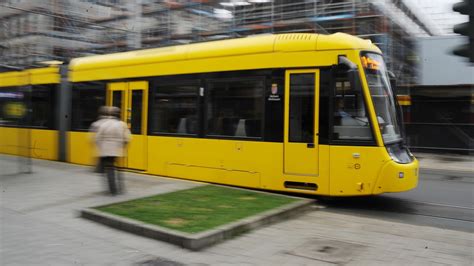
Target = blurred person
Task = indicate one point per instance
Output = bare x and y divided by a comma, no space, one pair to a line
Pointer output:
340,110
104,113
112,136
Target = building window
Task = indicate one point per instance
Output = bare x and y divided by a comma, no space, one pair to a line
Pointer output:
235,107
175,109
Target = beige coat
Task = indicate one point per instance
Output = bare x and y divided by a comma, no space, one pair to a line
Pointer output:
95,126
111,138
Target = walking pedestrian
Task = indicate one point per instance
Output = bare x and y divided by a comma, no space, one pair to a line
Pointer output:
112,137
104,113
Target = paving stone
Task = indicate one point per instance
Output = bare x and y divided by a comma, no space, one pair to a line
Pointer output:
39,225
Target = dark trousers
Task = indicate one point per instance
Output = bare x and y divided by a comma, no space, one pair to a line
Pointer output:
114,177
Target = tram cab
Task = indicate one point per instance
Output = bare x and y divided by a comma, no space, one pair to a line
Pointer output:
354,114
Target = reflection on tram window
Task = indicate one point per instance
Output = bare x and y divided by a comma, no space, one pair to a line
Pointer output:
350,117
86,100
42,106
235,107
12,106
175,109
28,106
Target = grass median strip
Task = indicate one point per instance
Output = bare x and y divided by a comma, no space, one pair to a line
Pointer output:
197,209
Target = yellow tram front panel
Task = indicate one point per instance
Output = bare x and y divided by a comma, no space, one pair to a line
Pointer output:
354,169
395,177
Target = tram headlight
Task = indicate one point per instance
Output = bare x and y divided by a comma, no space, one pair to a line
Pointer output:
399,154
392,154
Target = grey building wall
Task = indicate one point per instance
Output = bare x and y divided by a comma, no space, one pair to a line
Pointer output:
438,66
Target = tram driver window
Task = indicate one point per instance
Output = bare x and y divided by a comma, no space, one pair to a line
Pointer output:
350,117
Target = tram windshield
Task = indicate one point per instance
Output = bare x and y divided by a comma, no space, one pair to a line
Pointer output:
382,96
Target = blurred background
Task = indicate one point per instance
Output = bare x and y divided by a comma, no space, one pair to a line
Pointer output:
416,37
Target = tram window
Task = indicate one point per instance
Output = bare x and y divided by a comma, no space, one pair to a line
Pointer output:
87,98
175,109
117,99
302,108
350,117
136,117
43,98
39,99
235,108
12,104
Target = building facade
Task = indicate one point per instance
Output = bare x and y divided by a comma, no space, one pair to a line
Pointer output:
35,31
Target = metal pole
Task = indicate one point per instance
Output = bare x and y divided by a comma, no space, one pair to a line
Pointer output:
64,113
25,165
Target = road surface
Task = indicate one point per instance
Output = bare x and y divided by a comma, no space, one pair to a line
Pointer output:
442,199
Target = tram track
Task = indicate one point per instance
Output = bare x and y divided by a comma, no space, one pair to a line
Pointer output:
437,210
402,210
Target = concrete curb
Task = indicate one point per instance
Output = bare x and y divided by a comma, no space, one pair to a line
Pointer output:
200,240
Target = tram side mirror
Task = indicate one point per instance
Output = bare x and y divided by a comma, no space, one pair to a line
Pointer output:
344,64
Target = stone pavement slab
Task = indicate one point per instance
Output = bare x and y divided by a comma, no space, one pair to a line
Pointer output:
446,162
39,225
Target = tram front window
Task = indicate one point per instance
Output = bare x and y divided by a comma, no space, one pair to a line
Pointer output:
382,96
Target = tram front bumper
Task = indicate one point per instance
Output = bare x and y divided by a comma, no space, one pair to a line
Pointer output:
396,177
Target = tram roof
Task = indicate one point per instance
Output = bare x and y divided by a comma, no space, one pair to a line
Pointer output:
292,42
34,76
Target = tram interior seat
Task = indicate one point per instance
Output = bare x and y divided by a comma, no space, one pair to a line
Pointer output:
182,126
187,125
240,131
237,127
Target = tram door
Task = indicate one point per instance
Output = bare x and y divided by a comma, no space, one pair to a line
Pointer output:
132,99
301,122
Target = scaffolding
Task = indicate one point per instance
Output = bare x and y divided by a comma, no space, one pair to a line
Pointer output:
34,31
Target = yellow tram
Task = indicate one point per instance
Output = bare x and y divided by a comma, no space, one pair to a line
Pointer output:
306,113
29,130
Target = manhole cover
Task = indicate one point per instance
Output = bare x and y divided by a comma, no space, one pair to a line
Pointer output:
332,251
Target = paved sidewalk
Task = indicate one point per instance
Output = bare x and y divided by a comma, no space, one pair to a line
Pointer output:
39,225
446,162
